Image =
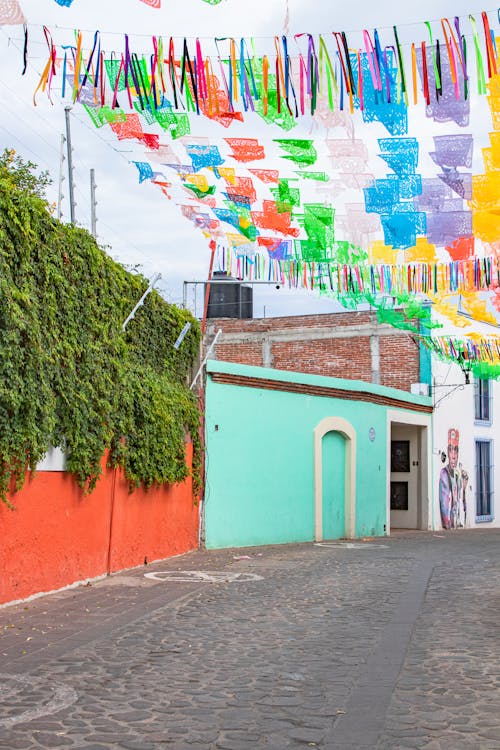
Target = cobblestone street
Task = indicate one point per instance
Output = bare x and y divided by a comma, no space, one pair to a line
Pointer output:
385,643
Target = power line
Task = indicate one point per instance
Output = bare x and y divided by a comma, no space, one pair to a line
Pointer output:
108,32
25,147
407,24
82,122
12,112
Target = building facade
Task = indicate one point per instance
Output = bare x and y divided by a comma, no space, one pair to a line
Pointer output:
353,346
350,345
294,457
466,450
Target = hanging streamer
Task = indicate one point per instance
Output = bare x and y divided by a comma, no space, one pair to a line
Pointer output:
481,83
473,275
243,79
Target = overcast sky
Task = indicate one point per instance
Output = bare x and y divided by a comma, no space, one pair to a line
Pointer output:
136,223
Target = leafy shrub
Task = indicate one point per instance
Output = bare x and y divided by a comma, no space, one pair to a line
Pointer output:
69,376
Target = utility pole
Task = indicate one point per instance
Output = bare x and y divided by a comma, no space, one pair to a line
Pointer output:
70,166
93,204
61,178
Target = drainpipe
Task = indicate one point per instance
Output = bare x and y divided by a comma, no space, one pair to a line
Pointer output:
111,520
201,507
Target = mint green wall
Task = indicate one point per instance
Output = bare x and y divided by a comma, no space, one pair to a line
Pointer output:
260,460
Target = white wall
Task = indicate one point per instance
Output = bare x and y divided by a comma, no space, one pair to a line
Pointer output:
55,460
454,408
408,519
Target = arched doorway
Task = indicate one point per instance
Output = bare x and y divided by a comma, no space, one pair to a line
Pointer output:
335,440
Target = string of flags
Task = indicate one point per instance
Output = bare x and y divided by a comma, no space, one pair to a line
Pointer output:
267,230
225,77
152,3
11,12
479,350
438,278
277,211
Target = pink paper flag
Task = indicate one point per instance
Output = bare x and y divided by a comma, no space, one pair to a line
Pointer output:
11,13
152,3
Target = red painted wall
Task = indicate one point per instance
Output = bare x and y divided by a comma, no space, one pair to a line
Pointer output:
57,535
153,524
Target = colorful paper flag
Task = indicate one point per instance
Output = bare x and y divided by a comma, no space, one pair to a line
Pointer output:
11,13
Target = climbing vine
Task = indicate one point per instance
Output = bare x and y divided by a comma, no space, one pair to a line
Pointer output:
69,376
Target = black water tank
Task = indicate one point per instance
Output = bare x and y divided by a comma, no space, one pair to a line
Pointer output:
229,299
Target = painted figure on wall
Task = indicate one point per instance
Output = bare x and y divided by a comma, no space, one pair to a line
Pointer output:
453,487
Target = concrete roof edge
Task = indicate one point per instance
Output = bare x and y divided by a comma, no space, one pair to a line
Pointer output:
266,373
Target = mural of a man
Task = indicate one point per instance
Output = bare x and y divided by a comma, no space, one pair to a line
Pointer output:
452,487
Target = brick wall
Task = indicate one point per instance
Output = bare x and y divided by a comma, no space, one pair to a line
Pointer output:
399,361
323,320
332,357
347,345
244,354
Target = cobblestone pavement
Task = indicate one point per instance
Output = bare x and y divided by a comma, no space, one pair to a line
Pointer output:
384,643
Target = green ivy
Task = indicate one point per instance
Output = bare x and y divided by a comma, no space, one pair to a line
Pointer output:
69,376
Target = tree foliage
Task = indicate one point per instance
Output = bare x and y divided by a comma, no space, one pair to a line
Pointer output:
69,376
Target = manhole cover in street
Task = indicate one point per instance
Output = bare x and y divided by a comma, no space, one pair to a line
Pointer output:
26,698
350,545
202,576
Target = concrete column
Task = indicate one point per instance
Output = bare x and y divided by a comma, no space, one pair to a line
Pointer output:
375,356
267,352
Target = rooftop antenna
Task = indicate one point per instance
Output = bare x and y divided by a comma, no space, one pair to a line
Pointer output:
93,204
61,179
72,203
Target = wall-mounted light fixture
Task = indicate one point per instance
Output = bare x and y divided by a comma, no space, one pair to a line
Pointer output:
466,367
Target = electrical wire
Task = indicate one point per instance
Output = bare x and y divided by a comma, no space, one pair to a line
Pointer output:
23,144
12,112
61,102
78,169
407,24
107,32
